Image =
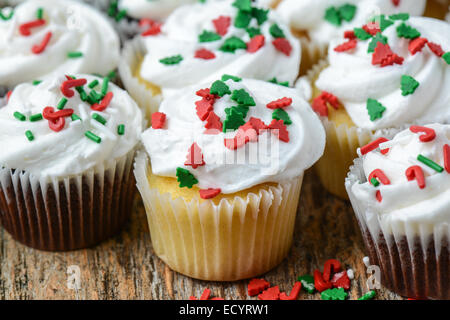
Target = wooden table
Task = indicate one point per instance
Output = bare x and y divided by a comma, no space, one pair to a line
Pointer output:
125,267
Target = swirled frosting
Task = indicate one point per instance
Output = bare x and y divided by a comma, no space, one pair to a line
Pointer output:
153,9
266,156
81,41
414,89
51,153
200,54
410,199
309,15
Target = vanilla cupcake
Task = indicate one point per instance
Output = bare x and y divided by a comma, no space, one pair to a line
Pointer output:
200,42
222,185
67,145
42,38
399,190
317,22
389,73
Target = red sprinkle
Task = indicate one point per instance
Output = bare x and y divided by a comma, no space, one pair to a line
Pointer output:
379,174
270,294
158,120
447,158
330,265
209,193
373,145
279,128
68,84
372,28
8,95
416,172
146,22
258,125
436,49
204,107
429,134
206,294
256,286
213,123
320,103
294,293
204,54
341,280
280,103
350,34
320,283
194,157
39,48
346,46
56,120
104,103
384,56
153,30
282,45
416,45
245,134
256,43
396,2
205,93
378,196
24,29
222,24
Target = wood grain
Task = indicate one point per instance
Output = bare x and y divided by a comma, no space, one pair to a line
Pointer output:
125,267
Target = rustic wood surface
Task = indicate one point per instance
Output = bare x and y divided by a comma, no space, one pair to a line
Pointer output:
125,267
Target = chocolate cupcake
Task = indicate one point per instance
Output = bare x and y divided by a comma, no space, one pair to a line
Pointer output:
65,168
399,189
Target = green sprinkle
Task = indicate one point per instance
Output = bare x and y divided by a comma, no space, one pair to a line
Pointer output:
105,85
405,31
242,97
208,36
83,94
29,135
377,38
36,117
375,109
243,5
347,12
260,15
39,13
430,163
99,118
361,34
399,16
113,8
36,82
185,178
92,136
220,88
332,16
374,182
74,54
242,20
446,57
253,31
334,294
172,60
19,116
8,17
280,114
233,120
276,31
95,97
232,44
368,296
382,21
408,85
241,109
284,84
74,117
62,103
111,75
226,77
307,282
93,84
121,14
121,129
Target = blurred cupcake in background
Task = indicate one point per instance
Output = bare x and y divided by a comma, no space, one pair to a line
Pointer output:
202,41
386,74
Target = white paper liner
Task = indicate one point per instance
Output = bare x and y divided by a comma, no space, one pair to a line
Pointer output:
413,257
67,213
233,240
312,53
132,54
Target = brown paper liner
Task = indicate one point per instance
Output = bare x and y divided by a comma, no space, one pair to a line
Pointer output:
414,258
69,213
238,238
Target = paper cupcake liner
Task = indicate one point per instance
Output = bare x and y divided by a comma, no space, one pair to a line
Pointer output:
312,53
437,9
68,213
133,52
414,258
228,241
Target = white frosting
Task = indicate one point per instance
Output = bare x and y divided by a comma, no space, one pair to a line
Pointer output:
69,151
75,27
353,78
153,9
309,15
180,37
403,200
168,147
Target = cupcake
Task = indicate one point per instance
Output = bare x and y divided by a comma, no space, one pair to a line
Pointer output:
399,192
222,185
43,38
67,145
388,73
317,22
200,42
